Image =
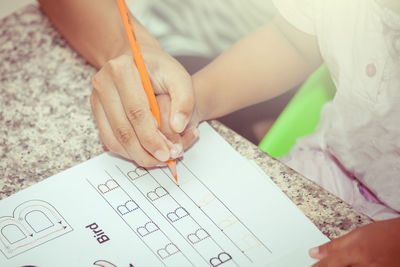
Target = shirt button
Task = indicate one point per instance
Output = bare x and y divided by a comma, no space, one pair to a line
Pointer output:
370,70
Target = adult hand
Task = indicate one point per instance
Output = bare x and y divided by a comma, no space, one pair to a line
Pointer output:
376,244
123,115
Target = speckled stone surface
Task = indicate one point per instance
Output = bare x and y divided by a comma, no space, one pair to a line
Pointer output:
46,125
330,214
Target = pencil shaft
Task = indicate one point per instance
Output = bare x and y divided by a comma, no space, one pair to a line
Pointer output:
144,75
139,61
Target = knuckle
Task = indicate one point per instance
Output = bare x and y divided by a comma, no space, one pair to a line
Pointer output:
155,69
115,65
135,114
123,134
95,81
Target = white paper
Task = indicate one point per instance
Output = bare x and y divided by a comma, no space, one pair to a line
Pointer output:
108,212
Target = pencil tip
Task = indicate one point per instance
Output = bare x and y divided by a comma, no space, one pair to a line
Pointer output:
172,168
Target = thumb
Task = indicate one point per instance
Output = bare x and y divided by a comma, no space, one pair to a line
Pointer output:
182,100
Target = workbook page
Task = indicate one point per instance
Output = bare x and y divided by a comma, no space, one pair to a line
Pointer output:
109,212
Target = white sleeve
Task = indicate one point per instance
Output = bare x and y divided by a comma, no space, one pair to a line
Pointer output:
299,13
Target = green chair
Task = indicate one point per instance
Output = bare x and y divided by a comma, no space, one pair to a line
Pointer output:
301,116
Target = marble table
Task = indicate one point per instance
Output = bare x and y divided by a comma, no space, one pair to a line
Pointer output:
46,124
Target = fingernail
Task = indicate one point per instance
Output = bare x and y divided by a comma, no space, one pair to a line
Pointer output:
314,252
161,155
179,148
174,153
179,122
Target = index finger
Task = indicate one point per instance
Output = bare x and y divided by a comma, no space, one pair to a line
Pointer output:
137,110
333,246
343,257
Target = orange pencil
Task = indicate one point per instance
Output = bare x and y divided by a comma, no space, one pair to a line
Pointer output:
144,76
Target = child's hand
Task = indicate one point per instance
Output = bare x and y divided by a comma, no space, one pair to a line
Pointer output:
376,244
122,112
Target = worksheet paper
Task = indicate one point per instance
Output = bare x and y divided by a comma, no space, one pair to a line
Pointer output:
109,212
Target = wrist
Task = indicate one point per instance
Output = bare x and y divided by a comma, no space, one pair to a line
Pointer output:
121,44
148,41
147,44
145,38
204,111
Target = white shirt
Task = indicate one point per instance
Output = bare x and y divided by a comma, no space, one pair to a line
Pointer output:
201,27
360,42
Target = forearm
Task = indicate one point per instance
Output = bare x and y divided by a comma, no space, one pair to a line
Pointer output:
93,28
257,68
